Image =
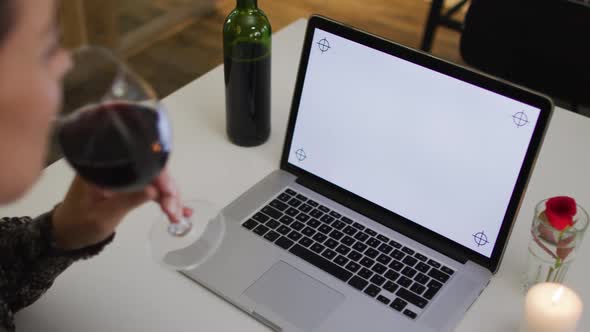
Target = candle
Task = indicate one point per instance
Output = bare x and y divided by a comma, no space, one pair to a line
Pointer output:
551,307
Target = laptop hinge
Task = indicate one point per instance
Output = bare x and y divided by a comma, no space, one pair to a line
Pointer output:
387,219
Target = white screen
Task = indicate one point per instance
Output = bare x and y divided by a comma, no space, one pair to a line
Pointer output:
438,151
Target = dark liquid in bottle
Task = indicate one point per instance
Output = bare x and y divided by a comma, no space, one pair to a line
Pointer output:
247,94
119,146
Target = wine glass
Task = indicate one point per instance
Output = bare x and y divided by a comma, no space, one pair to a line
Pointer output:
115,133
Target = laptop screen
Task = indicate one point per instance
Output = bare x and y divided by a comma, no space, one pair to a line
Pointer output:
436,150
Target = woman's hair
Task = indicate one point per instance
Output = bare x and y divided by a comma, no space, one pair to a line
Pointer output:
7,18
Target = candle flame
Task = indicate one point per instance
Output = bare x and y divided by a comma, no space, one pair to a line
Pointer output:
557,296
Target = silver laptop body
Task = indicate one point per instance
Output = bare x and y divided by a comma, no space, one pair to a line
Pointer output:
334,242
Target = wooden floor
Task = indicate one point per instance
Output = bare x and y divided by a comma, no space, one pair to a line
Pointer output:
196,48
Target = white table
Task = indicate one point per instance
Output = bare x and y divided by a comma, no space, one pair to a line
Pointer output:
124,290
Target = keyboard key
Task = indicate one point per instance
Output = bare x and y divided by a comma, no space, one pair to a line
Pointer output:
312,203
323,209
272,224
362,237
272,235
382,238
313,223
284,230
447,270
385,248
297,226
403,281
318,248
409,272
319,237
321,263
329,254
378,268
270,211
410,313
398,304
327,219
350,230
335,214
397,254
391,275
421,278
336,235
308,231
353,267
383,299
433,273
430,293
305,208
358,283
417,288
370,232
305,241
316,213
384,259
341,260
347,220
331,243
339,225
261,230
295,202
292,212
372,290
284,243
358,226
435,284
303,217
408,251
279,205
396,265
301,197
367,262
294,235
355,255
422,267
261,218
284,197
372,253
412,298
347,240
342,249
421,257
359,246
378,280
434,263
365,273
250,224
373,242
325,229
390,287
286,220
395,244
290,192
410,261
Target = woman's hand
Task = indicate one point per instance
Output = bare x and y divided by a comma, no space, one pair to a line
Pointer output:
89,215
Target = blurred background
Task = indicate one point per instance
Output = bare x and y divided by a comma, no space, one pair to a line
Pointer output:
173,42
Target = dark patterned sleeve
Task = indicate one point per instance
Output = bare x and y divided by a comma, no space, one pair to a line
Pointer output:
29,262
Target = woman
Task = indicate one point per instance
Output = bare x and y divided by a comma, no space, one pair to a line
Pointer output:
33,252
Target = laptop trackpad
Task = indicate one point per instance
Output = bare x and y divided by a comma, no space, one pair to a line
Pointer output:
294,296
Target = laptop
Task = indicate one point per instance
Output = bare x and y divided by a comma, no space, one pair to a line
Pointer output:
400,180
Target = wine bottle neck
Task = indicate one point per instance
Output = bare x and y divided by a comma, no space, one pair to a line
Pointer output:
247,4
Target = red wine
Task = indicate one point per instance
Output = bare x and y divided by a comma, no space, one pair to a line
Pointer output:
118,146
247,94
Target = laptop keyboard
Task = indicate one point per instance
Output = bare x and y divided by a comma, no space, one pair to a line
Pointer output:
395,275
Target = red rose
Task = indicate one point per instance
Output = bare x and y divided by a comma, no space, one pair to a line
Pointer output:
560,212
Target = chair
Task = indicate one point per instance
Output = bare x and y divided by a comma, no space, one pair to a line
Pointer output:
542,45
437,17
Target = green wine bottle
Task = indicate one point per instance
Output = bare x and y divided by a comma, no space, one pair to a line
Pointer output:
247,50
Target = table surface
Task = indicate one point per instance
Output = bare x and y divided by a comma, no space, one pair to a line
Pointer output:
124,290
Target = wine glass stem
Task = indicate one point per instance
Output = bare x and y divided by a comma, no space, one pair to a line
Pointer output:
180,228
